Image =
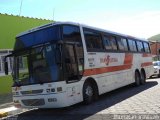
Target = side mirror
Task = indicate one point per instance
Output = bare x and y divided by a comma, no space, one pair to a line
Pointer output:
6,67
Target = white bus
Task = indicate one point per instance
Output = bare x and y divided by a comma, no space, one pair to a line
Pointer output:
63,63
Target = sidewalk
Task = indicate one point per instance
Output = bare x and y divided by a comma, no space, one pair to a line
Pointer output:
5,98
5,111
5,102
7,108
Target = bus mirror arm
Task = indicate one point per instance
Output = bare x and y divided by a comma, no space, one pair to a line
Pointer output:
5,66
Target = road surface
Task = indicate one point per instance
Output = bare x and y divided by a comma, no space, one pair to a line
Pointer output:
142,101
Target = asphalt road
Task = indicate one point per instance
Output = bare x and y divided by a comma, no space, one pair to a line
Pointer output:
129,100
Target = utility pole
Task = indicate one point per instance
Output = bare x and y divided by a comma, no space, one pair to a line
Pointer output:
53,13
20,8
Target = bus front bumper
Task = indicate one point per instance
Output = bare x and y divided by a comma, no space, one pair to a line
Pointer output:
42,101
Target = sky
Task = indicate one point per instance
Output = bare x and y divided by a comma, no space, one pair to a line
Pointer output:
139,18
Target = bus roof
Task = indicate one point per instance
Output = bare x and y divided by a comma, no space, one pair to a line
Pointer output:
78,24
45,26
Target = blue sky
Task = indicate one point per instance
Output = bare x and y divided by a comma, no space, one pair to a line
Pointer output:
134,17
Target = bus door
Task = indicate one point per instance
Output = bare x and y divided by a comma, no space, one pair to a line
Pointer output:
73,62
73,65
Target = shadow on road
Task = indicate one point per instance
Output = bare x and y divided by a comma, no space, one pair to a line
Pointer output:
80,111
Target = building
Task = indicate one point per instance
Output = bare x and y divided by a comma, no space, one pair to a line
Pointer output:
155,49
11,26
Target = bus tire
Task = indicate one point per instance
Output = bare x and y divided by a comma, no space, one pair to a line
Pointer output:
88,93
143,77
137,78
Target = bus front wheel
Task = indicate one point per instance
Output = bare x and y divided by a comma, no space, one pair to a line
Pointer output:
88,93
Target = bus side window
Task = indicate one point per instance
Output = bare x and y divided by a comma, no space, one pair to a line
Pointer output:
132,45
122,44
140,46
93,40
146,47
113,42
71,34
107,43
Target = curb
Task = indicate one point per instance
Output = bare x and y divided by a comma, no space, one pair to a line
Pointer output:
6,105
3,114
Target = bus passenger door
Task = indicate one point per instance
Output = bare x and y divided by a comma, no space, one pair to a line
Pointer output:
73,62
73,67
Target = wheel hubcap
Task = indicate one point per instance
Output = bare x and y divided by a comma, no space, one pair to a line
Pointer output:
89,91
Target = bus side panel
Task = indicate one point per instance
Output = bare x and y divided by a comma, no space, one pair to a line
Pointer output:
111,70
107,82
147,64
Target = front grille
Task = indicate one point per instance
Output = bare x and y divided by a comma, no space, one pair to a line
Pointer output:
31,92
33,102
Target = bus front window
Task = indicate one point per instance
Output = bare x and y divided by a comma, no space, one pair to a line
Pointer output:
37,66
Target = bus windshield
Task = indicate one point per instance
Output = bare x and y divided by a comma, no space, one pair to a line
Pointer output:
37,65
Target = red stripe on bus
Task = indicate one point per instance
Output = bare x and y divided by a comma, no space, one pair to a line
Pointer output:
146,55
128,58
96,71
146,64
127,65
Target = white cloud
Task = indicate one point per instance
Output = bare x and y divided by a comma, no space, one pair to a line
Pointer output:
142,25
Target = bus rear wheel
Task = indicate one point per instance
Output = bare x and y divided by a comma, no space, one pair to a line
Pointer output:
137,78
143,78
88,93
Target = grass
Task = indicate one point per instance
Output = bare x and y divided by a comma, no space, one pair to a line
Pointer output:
5,84
13,25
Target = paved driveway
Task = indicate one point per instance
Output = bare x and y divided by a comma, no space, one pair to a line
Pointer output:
132,102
